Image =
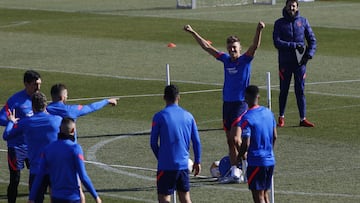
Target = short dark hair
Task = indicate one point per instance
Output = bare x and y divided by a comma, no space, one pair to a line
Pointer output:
56,90
296,1
38,100
171,92
31,76
232,39
66,130
252,91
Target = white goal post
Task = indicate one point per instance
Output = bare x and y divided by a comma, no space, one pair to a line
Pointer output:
193,4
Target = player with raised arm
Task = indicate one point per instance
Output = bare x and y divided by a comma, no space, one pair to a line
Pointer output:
237,71
64,168
258,127
20,103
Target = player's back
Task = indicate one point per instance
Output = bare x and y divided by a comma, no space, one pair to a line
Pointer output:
175,138
261,123
63,168
39,130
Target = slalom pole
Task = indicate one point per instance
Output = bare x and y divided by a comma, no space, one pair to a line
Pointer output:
268,90
167,74
168,83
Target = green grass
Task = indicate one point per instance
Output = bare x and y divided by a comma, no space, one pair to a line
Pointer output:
100,55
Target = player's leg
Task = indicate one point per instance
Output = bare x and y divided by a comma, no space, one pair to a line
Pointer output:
259,180
16,160
166,184
164,198
258,196
285,75
12,189
299,78
183,186
43,187
232,113
184,197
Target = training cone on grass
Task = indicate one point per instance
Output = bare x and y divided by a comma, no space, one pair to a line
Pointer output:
171,45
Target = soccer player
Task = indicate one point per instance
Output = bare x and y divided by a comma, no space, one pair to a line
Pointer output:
58,106
258,127
174,128
237,70
290,33
64,168
39,130
20,103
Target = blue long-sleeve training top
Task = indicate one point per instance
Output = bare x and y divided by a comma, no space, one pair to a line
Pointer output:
74,111
175,128
21,103
39,130
63,169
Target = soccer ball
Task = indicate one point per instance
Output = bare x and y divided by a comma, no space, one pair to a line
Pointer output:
190,165
214,169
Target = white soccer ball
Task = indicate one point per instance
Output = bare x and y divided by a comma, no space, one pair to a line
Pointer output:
190,165
214,169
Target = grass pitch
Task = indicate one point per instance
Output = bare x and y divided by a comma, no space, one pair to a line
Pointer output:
117,49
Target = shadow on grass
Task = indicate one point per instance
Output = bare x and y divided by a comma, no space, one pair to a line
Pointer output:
19,195
137,189
137,134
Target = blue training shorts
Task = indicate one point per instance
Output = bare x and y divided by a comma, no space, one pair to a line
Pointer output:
232,113
259,177
17,158
169,181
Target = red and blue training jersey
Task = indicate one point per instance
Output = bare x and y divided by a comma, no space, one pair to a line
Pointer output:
21,103
64,162
39,130
258,124
236,76
173,128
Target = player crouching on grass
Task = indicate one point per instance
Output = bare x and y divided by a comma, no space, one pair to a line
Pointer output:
64,161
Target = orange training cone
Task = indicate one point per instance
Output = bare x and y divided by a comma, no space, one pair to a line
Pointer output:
171,45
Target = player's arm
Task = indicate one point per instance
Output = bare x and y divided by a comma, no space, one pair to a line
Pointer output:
81,171
275,136
38,180
201,41
12,128
257,39
82,110
4,113
244,146
245,137
311,40
154,135
195,139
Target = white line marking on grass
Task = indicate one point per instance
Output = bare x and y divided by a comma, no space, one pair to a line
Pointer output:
144,95
91,156
14,24
126,197
107,75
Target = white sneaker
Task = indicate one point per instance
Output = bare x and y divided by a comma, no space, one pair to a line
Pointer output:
233,176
